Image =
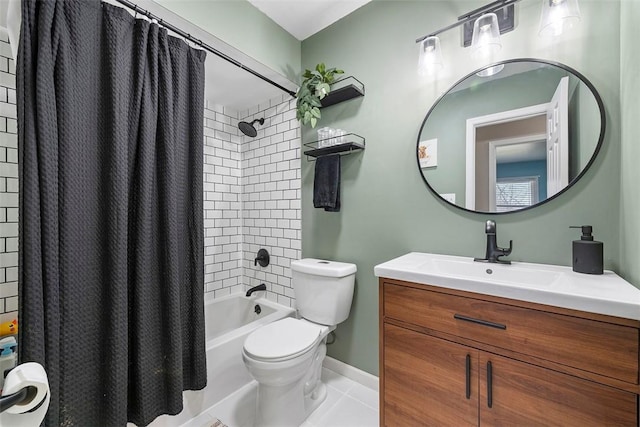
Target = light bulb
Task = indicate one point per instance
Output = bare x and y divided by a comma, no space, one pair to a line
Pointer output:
486,36
430,59
558,15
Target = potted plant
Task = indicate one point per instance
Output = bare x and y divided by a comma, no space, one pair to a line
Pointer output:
314,87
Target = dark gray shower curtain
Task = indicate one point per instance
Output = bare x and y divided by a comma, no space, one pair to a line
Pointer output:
111,229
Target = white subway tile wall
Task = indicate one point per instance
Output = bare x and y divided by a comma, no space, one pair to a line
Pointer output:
222,201
271,186
8,180
252,198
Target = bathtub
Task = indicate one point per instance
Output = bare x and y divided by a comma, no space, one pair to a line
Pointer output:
228,321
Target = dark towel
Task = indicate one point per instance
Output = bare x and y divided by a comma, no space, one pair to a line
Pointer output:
326,183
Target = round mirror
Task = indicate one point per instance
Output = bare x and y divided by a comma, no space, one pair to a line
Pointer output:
511,136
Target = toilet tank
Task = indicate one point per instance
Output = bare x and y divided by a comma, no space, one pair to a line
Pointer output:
323,289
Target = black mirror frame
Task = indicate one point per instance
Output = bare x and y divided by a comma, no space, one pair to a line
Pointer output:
572,182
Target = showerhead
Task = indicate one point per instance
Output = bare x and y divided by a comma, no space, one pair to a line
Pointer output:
248,129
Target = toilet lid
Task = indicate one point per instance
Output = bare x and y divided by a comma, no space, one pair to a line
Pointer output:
281,339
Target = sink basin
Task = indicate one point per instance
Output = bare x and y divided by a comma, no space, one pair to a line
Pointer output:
540,283
514,274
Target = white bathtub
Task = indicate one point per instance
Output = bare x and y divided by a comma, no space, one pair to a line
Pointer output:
228,321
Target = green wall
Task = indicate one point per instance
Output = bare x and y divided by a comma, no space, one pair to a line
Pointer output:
630,172
387,210
241,25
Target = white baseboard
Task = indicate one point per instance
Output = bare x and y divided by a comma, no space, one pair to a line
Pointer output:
353,373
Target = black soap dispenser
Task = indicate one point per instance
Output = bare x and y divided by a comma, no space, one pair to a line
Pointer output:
588,254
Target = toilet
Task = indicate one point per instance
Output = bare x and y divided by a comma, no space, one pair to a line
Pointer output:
285,357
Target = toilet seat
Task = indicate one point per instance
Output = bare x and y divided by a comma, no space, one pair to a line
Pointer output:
282,340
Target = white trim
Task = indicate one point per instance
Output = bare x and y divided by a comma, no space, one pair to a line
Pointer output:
493,172
490,119
351,372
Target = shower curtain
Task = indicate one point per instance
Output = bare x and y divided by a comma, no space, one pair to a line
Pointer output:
111,232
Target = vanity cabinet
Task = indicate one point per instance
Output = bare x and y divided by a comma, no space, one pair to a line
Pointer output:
417,387
516,393
454,358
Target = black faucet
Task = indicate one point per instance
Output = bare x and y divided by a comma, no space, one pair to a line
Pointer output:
493,251
260,287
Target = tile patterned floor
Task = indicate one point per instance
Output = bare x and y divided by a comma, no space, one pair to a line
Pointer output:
348,404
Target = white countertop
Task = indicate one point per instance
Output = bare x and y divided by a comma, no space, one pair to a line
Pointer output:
554,285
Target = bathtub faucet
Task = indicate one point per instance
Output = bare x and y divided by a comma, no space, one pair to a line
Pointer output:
260,287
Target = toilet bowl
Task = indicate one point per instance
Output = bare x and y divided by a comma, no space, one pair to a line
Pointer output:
285,357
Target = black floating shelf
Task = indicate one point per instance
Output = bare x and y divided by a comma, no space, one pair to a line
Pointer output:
352,144
343,90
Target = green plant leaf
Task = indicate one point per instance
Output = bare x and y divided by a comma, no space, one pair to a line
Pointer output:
315,86
322,90
315,101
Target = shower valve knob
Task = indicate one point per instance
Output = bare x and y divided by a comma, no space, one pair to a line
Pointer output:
262,258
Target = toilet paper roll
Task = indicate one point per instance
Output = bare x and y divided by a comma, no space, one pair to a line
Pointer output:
28,374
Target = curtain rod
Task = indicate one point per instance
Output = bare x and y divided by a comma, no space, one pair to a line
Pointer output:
200,43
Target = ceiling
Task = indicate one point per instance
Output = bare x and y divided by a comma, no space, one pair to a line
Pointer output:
304,18
237,89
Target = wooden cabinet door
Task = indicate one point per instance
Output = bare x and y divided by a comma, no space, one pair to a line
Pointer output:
513,393
428,381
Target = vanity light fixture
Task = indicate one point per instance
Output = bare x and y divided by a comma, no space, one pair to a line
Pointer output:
430,58
558,15
485,42
481,29
486,36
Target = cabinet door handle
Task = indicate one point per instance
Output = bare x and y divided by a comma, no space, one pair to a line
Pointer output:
489,385
479,321
468,377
